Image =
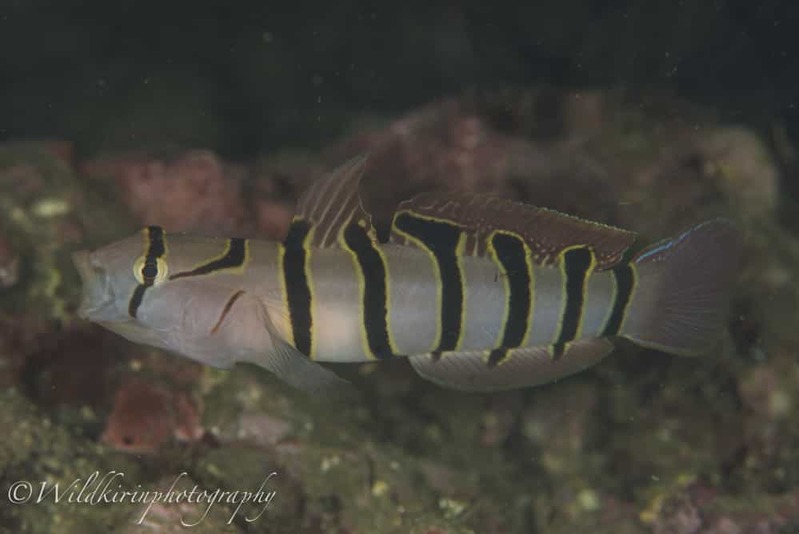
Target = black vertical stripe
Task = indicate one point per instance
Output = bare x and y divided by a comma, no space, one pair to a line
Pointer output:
441,239
576,263
234,256
298,290
375,287
156,248
497,356
625,280
511,254
135,299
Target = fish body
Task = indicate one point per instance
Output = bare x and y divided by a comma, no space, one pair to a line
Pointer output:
478,292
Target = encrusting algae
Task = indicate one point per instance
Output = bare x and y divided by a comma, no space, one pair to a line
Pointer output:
646,442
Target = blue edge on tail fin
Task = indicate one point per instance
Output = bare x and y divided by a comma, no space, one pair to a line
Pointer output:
693,276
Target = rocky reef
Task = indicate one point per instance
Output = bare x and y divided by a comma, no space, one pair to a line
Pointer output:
644,442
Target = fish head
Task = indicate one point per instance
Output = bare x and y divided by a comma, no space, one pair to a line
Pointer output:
109,283
141,292
108,280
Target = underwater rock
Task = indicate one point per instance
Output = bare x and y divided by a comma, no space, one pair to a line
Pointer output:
274,184
769,395
559,424
147,416
706,172
65,370
723,525
500,417
40,218
35,449
272,219
441,146
262,429
196,515
141,419
606,156
45,210
678,515
331,465
194,192
575,456
9,264
743,169
700,508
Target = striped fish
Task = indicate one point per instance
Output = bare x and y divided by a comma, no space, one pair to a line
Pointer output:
479,293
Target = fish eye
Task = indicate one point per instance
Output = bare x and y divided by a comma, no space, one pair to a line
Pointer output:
150,272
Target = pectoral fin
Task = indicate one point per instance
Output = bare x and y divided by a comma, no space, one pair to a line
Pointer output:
471,371
240,330
295,369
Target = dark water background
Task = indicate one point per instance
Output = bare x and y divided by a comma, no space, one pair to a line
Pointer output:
252,75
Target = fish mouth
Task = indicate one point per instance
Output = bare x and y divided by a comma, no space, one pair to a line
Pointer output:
97,302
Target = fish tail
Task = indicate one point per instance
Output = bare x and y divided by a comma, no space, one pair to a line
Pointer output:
683,288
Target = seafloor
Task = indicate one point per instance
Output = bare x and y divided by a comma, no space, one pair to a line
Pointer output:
644,442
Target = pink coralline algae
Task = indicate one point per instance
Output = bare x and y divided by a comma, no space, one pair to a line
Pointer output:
442,145
456,145
195,192
146,416
272,218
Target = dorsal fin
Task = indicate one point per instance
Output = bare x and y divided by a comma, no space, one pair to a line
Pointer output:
332,202
545,231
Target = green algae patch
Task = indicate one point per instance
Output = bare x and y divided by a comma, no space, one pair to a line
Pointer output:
51,474
326,468
45,212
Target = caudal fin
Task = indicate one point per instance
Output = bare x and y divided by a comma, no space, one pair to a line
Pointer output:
683,290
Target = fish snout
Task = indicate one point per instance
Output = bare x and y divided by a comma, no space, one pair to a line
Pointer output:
97,294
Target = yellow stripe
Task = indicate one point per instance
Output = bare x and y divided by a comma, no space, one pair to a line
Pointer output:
284,299
505,286
586,285
389,333
528,260
306,244
634,271
459,253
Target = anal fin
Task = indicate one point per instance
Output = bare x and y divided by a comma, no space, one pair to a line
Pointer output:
470,371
